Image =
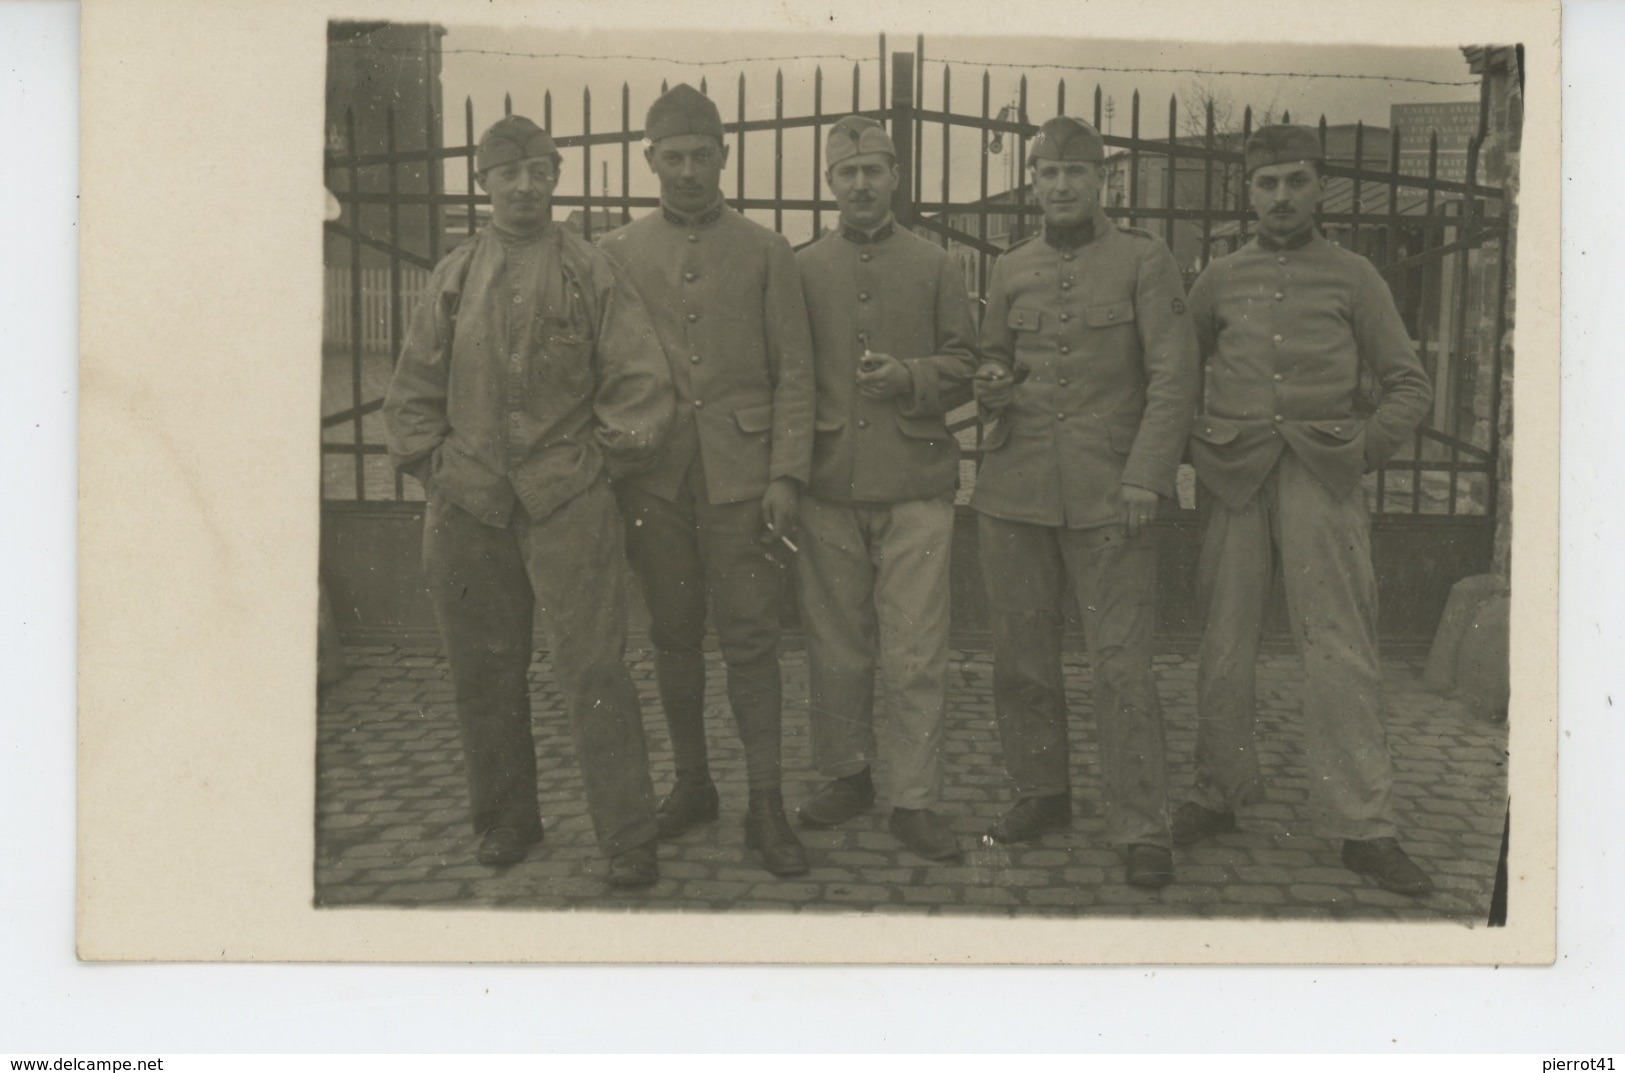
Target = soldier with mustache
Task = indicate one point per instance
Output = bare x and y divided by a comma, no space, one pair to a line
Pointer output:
893,342
1286,324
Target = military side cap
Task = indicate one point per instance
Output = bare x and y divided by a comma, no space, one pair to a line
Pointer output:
513,138
1281,144
1067,138
682,110
854,136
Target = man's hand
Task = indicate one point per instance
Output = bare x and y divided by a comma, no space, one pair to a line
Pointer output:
1136,508
881,376
781,507
994,387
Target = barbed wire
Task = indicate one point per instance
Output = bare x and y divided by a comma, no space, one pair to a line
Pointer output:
617,56
1206,71
1005,64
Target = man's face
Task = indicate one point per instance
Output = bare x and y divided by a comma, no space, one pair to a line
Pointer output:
1067,190
1285,197
689,167
521,192
863,187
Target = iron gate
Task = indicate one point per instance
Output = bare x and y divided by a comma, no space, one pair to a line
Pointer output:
1441,243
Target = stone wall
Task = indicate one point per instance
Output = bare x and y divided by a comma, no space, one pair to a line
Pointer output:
1498,66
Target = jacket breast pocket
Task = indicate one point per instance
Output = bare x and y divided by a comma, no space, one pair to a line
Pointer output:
928,430
1024,319
1109,314
1215,430
1337,431
566,357
754,420
1123,432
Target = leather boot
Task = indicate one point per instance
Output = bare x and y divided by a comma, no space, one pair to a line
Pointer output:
1031,817
1385,862
693,799
838,800
1193,822
768,832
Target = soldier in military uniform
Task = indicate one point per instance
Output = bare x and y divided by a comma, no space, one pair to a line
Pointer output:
705,524
1078,456
530,369
1286,323
893,341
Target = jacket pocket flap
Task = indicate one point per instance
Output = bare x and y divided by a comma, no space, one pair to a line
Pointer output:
755,418
922,428
1344,429
1123,432
1109,315
829,424
1024,320
1215,430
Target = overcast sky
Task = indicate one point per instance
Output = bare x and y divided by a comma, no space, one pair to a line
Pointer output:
1299,78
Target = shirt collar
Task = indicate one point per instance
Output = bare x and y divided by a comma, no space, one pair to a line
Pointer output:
1071,236
883,231
707,215
517,240
1296,240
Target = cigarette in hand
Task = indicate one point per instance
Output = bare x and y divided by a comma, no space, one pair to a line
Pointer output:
786,540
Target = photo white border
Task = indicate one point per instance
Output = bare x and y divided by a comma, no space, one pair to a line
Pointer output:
200,329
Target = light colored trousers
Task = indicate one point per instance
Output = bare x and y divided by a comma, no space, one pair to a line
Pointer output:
874,578
1319,546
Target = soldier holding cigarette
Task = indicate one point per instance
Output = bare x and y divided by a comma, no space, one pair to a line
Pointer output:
893,339
705,524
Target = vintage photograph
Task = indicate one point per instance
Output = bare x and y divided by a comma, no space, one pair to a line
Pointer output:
915,474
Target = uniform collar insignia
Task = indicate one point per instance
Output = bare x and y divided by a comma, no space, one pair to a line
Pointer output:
1070,237
1293,241
698,219
862,237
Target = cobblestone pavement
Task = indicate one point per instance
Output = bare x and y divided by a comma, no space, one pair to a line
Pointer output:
392,821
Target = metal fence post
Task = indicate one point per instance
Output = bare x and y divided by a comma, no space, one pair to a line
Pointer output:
902,135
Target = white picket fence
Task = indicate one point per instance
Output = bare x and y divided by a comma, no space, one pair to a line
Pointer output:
337,319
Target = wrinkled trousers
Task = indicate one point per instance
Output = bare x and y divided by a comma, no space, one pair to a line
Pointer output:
1319,547
873,578
695,560
486,584
1114,578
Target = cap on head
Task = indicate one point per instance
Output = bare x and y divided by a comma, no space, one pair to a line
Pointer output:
1282,144
1067,138
854,136
513,138
682,110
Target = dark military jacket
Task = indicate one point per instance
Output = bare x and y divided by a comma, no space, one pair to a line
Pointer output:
891,293
726,301
523,370
1284,331
1111,386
